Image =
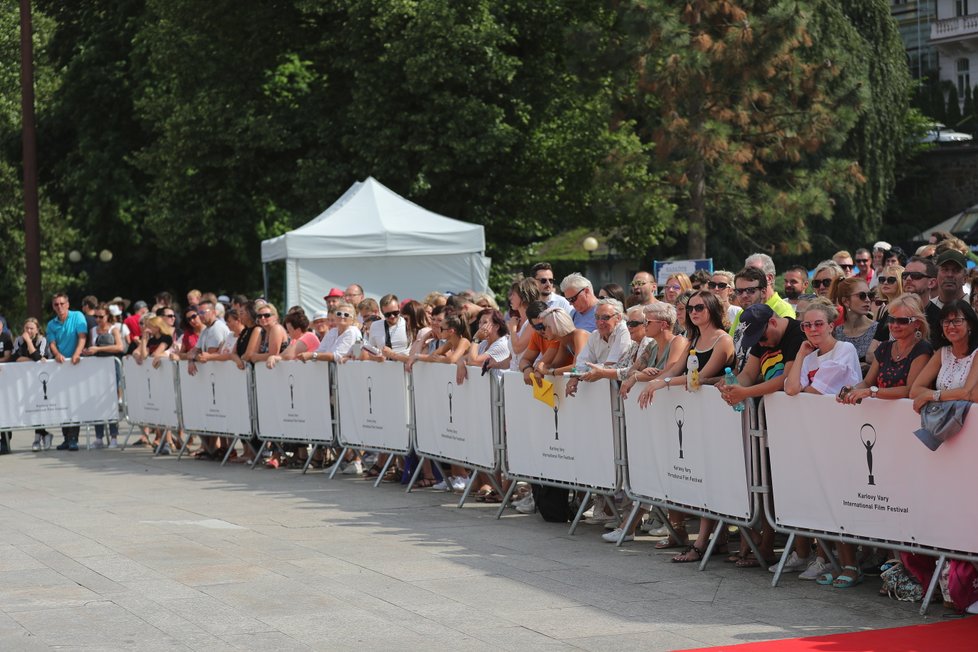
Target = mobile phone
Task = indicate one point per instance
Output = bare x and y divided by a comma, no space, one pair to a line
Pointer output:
370,348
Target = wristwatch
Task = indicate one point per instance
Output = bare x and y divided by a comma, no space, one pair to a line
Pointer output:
315,355
873,391
666,381
937,395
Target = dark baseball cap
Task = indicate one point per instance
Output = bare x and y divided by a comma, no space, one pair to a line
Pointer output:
753,322
952,256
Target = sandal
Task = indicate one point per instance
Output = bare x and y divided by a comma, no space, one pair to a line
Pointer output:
670,542
848,578
750,561
736,558
825,579
425,483
691,554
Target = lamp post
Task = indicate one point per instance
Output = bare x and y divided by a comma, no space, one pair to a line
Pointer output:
590,244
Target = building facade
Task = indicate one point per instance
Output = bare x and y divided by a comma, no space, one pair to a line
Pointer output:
954,34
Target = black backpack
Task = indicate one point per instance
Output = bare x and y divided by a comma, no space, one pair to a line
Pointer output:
554,503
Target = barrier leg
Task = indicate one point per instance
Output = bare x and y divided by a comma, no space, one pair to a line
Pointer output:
509,494
754,548
418,466
383,471
628,523
580,512
788,547
312,454
933,585
713,542
258,454
159,447
186,443
125,442
473,474
234,442
336,466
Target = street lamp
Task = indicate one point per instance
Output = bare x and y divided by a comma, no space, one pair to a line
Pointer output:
74,256
590,244
105,256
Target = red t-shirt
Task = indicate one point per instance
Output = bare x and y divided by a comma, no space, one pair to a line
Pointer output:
132,323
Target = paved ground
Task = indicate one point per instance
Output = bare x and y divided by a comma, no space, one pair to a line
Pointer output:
116,550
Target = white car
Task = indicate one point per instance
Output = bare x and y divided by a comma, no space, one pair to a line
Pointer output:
938,133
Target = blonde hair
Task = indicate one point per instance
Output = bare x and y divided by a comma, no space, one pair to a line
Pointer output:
824,306
559,322
912,304
892,270
160,324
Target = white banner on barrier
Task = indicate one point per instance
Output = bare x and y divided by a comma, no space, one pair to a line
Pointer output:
860,470
571,442
151,397
373,405
688,448
49,394
293,401
216,399
454,421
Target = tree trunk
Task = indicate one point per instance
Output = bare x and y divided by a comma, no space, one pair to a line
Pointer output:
697,212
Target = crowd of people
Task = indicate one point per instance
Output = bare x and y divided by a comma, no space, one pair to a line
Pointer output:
873,325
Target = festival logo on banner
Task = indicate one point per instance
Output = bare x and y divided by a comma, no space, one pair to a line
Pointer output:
867,434
44,385
680,419
450,387
878,501
291,392
149,386
370,395
213,390
47,402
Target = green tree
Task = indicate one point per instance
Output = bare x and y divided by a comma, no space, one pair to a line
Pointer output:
953,117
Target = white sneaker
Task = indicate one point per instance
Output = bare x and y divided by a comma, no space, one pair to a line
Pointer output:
525,500
612,537
794,564
113,443
354,468
611,525
99,443
815,569
459,483
48,441
601,517
527,506
441,486
36,446
651,525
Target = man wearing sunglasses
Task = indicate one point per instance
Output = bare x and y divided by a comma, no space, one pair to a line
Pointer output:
543,274
66,335
844,260
752,287
864,266
213,338
389,334
580,295
605,346
920,278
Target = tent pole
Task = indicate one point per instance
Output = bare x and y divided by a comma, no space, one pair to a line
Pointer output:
264,274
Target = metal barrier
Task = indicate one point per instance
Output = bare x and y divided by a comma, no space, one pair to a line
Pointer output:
455,424
149,394
207,412
530,455
864,490
705,457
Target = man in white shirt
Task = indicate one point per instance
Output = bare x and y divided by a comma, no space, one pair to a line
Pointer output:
605,345
212,339
387,335
543,273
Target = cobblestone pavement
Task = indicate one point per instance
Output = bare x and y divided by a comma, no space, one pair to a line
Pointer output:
119,550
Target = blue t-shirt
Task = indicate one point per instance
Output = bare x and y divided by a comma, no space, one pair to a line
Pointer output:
585,320
66,334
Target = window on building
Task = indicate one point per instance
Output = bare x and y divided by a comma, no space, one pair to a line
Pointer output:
960,7
964,76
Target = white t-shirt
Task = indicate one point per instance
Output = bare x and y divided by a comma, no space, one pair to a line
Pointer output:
400,343
337,343
514,364
598,351
557,301
214,336
498,351
831,372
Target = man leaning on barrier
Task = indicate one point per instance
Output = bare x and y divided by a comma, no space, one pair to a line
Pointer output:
66,338
771,344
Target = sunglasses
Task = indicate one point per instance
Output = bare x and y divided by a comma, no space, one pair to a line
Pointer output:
545,281
824,283
889,279
638,284
860,261
192,317
903,321
863,296
343,315
696,307
539,327
264,315
717,286
845,266
392,313
813,325
604,317
880,302
632,323
574,298
169,316
740,291
916,276
697,286
370,318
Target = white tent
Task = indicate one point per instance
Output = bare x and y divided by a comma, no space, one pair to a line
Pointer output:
374,237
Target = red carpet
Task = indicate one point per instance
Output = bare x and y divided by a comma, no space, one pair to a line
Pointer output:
950,636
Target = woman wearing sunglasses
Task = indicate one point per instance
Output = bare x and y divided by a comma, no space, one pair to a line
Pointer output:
273,339
857,326
896,365
722,285
663,349
889,287
826,276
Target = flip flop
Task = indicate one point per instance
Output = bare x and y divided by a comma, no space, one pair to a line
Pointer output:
690,555
850,577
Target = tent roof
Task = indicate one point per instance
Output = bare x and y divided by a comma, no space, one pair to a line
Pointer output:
372,220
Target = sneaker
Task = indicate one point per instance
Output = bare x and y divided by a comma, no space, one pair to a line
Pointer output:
525,500
458,483
527,506
63,446
816,568
36,446
440,486
99,443
612,537
794,564
113,443
652,525
48,441
602,517
354,468
611,525
72,446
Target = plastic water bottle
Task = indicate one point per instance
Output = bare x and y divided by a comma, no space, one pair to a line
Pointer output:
730,379
692,372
